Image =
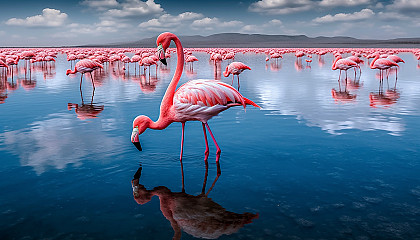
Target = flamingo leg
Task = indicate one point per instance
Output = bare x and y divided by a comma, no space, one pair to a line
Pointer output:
206,153
238,83
232,79
91,78
81,78
215,143
339,76
180,158
182,141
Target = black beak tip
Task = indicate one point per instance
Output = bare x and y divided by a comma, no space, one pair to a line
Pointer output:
163,60
138,146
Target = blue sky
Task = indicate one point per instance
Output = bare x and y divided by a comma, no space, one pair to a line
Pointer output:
76,22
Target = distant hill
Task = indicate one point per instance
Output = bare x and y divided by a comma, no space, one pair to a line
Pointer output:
260,40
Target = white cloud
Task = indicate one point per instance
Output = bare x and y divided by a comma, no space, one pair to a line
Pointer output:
167,21
49,18
343,3
214,23
405,5
133,8
100,4
280,6
263,28
393,16
344,17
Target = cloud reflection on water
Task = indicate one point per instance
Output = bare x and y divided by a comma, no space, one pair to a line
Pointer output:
56,142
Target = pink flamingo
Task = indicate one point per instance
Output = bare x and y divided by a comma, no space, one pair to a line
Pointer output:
196,100
395,59
191,59
147,62
358,61
343,64
235,68
84,66
382,64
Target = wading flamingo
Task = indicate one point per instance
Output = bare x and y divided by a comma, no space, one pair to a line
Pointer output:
84,66
343,64
382,64
235,68
196,100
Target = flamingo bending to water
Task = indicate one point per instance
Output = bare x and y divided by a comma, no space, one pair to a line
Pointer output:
235,68
196,100
382,64
84,66
343,64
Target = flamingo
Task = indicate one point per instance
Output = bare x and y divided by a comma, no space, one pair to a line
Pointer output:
235,68
191,59
84,66
382,64
196,100
395,59
343,64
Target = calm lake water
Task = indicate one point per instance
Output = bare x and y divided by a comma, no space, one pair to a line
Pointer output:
304,166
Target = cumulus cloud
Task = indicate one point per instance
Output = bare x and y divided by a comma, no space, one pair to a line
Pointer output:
167,21
100,4
393,16
214,23
344,17
48,18
263,28
280,6
343,3
405,5
105,26
133,8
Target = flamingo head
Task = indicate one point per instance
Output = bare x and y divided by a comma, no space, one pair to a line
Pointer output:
68,71
140,124
161,54
163,41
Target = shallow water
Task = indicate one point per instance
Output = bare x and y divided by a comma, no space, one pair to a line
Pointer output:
311,166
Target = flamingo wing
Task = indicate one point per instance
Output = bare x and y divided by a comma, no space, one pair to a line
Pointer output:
203,99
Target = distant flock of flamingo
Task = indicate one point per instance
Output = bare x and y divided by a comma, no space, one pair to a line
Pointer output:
196,100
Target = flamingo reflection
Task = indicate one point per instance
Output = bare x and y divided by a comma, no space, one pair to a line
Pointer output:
344,96
197,215
3,89
148,84
86,111
298,65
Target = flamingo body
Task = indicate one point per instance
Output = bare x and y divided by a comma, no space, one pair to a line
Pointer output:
84,66
200,100
343,64
235,68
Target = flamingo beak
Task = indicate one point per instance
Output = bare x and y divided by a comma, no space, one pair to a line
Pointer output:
163,60
135,138
161,54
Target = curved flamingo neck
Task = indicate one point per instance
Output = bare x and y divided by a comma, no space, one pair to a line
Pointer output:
170,91
373,62
167,101
334,67
72,71
226,73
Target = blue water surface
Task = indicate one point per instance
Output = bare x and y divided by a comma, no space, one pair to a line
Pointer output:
304,166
